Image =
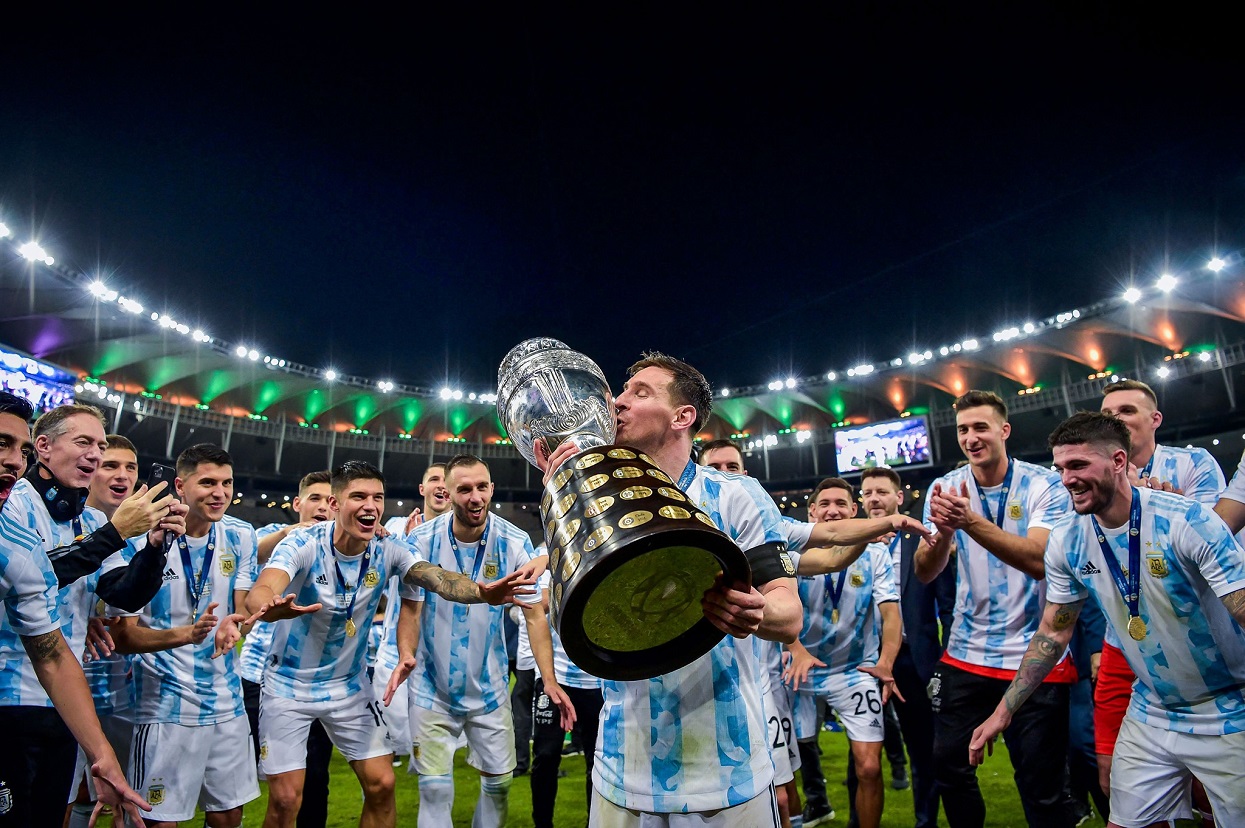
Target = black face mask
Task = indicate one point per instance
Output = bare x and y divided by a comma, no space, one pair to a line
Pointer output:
63,503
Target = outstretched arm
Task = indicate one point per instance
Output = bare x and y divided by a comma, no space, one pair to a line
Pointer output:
454,586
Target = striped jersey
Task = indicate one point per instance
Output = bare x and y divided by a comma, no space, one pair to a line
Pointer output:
1190,666
998,607
567,672
185,685
18,683
387,648
695,739
855,638
259,638
111,678
462,669
1236,489
27,582
312,659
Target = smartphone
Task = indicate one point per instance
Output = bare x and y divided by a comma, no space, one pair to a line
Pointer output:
161,473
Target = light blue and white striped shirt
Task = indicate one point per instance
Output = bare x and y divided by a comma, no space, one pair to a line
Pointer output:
1190,666
27,582
259,639
185,685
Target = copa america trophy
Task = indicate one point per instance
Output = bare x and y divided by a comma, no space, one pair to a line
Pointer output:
629,555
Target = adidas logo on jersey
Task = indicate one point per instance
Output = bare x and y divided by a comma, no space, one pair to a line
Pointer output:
875,723
322,579
170,575
1090,569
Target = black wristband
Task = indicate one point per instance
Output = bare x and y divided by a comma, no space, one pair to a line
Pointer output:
769,562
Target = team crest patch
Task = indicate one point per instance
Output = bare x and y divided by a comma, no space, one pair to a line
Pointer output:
542,702
787,565
228,563
490,571
100,607
858,579
1158,566
372,578
415,750
263,753
6,799
155,794
1014,511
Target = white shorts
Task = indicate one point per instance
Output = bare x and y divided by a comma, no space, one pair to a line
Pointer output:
119,731
759,812
1153,769
436,735
781,734
355,725
397,714
854,696
177,767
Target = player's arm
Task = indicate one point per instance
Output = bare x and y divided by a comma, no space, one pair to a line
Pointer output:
930,558
1232,512
1020,552
823,560
454,586
409,614
1235,602
1046,648
783,614
539,637
265,603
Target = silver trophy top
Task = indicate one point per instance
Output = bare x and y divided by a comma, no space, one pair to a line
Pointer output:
546,391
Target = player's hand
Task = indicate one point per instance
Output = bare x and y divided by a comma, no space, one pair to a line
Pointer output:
950,508
381,531
550,463
567,710
1160,485
111,790
140,512
228,633
906,523
207,622
796,671
533,569
412,520
99,643
1095,661
886,679
279,609
735,609
984,736
504,590
172,524
400,674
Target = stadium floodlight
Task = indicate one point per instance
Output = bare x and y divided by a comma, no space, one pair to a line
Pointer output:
1132,295
1214,265
330,375
458,395
97,288
5,232
385,386
832,376
1166,283
726,392
1163,372
446,393
31,250
860,370
969,345
1029,327
775,385
944,351
1204,356
790,382
240,351
252,355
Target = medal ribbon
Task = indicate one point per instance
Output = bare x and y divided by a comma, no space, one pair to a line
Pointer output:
196,583
689,474
1007,487
1130,588
835,591
475,570
341,579
1149,464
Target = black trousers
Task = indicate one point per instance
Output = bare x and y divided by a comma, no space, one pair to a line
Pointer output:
36,767
916,721
521,709
1037,742
548,737
314,812
811,775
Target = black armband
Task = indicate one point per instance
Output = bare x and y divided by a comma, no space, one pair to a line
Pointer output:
132,587
83,556
769,562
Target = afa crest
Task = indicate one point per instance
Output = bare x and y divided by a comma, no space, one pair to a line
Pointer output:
1158,566
372,578
858,579
228,564
263,753
787,565
1014,511
490,570
155,794
415,750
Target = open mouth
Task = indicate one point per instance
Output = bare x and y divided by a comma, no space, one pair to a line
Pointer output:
366,522
476,514
119,489
319,518
440,497
6,486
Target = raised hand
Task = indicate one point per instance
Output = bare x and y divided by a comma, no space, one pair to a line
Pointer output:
549,463
504,590
206,623
173,523
279,609
412,520
142,511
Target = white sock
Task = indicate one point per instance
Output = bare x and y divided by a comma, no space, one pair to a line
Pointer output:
494,803
436,801
80,816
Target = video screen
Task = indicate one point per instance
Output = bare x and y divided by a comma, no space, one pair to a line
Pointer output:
894,443
46,386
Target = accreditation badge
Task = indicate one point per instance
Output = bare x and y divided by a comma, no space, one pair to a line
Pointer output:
1014,511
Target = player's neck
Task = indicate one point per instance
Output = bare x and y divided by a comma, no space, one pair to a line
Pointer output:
1117,512
429,512
197,526
672,458
346,543
468,534
992,474
1142,454
107,508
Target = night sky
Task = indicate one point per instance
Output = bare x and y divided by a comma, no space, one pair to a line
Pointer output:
764,195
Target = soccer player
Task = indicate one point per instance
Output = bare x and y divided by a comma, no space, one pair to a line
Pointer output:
15,444
693,741
335,573
840,659
436,502
49,503
998,512
458,653
1192,472
1231,505
311,504
192,742
920,605
1171,580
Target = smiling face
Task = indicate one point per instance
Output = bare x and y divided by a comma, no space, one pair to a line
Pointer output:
359,505
832,503
435,493
982,434
471,490
73,455
1091,473
15,445
1139,414
206,491
314,503
114,480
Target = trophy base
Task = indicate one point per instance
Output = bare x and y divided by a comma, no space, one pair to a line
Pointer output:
636,613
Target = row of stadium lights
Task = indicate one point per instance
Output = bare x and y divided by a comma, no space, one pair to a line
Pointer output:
1165,284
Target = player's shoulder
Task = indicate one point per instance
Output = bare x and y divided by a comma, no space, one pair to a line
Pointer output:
95,518
429,528
1193,454
1170,503
1037,472
954,477
508,531
268,529
238,526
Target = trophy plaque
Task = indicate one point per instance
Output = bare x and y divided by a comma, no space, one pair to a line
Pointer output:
629,555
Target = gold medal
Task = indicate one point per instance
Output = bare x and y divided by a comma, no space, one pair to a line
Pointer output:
351,629
1136,628
834,615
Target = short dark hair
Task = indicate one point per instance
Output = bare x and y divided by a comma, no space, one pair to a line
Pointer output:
462,461
196,455
353,470
882,471
312,478
833,483
714,445
688,386
15,405
1091,427
432,466
52,422
975,398
116,441
1131,385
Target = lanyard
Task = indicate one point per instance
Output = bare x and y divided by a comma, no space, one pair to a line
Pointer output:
344,587
1129,585
834,592
196,583
689,474
475,570
1007,487
77,528
1149,464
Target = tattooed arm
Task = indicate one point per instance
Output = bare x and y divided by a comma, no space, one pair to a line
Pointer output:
454,586
1045,649
1235,602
